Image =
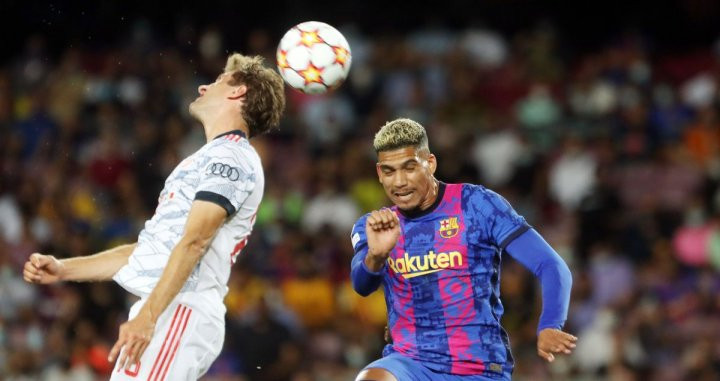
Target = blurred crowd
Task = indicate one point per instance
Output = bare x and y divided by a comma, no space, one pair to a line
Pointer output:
613,156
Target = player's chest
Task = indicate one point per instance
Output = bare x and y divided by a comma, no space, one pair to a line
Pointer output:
180,185
437,245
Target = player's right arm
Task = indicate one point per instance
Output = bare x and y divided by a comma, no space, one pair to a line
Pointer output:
373,237
45,269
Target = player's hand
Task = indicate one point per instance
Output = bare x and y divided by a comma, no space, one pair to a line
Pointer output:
383,230
133,338
42,269
551,341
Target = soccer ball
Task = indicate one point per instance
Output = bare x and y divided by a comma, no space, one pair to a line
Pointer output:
313,57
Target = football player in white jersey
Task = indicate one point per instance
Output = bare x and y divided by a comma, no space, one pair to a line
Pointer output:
180,265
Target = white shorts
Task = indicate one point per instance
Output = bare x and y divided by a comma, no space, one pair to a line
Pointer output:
186,342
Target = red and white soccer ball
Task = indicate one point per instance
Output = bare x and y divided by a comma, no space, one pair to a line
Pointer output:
313,57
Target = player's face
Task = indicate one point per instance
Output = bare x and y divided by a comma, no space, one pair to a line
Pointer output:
407,176
217,95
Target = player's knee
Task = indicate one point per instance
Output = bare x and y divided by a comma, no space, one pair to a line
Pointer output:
375,374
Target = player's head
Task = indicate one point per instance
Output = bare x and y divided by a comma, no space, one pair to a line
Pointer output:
249,88
405,165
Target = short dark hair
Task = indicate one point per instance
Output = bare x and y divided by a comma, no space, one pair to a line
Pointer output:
265,98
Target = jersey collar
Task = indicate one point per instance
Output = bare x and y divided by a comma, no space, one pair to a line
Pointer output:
416,213
232,132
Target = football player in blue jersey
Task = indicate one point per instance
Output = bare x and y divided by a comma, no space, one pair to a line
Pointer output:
437,254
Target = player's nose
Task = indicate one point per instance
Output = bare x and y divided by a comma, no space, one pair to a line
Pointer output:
400,180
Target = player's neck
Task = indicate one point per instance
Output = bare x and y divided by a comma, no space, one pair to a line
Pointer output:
433,199
431,196
222,124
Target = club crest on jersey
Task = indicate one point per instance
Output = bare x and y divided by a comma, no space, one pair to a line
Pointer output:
449,227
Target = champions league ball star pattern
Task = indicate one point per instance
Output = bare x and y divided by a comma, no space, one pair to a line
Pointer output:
313,57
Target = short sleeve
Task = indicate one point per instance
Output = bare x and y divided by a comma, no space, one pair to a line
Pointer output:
227,177
500,223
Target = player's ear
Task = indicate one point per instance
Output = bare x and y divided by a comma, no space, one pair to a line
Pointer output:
238,92
379,172
432,163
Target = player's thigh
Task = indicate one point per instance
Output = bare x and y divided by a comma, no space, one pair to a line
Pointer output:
198,350
395,367
168,331
375,374
182,348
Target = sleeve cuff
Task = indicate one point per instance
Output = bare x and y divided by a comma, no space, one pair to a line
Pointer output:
377,273
552,326
218,199
517,233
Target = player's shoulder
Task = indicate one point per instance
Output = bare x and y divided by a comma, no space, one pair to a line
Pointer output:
473,190
478,194
231,141
233,145
360,223
357,234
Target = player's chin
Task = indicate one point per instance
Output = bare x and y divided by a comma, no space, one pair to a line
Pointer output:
193,107
405,204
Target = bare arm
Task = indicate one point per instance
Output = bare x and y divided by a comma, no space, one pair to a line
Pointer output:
204,220
44,269
101,266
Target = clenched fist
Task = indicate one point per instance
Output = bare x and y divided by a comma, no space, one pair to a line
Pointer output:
42,269
383,230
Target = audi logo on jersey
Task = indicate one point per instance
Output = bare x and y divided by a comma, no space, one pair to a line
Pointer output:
224,170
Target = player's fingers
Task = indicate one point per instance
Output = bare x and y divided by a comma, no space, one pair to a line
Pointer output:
35,259
115,349
558,344
562,347
140,351
549,346
387,218
549,357
566,339
30,266
373,220
382,215
31,276
123,363
570,337
568,347
395,217
131,354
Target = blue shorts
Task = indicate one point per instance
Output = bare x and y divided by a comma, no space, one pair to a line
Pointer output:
407,369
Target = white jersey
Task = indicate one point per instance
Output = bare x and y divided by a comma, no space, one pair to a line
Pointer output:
226,171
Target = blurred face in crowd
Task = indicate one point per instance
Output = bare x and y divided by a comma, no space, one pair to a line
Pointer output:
407,176
218,98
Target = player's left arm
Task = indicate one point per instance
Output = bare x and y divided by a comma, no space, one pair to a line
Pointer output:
203,222
508,230
536,255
